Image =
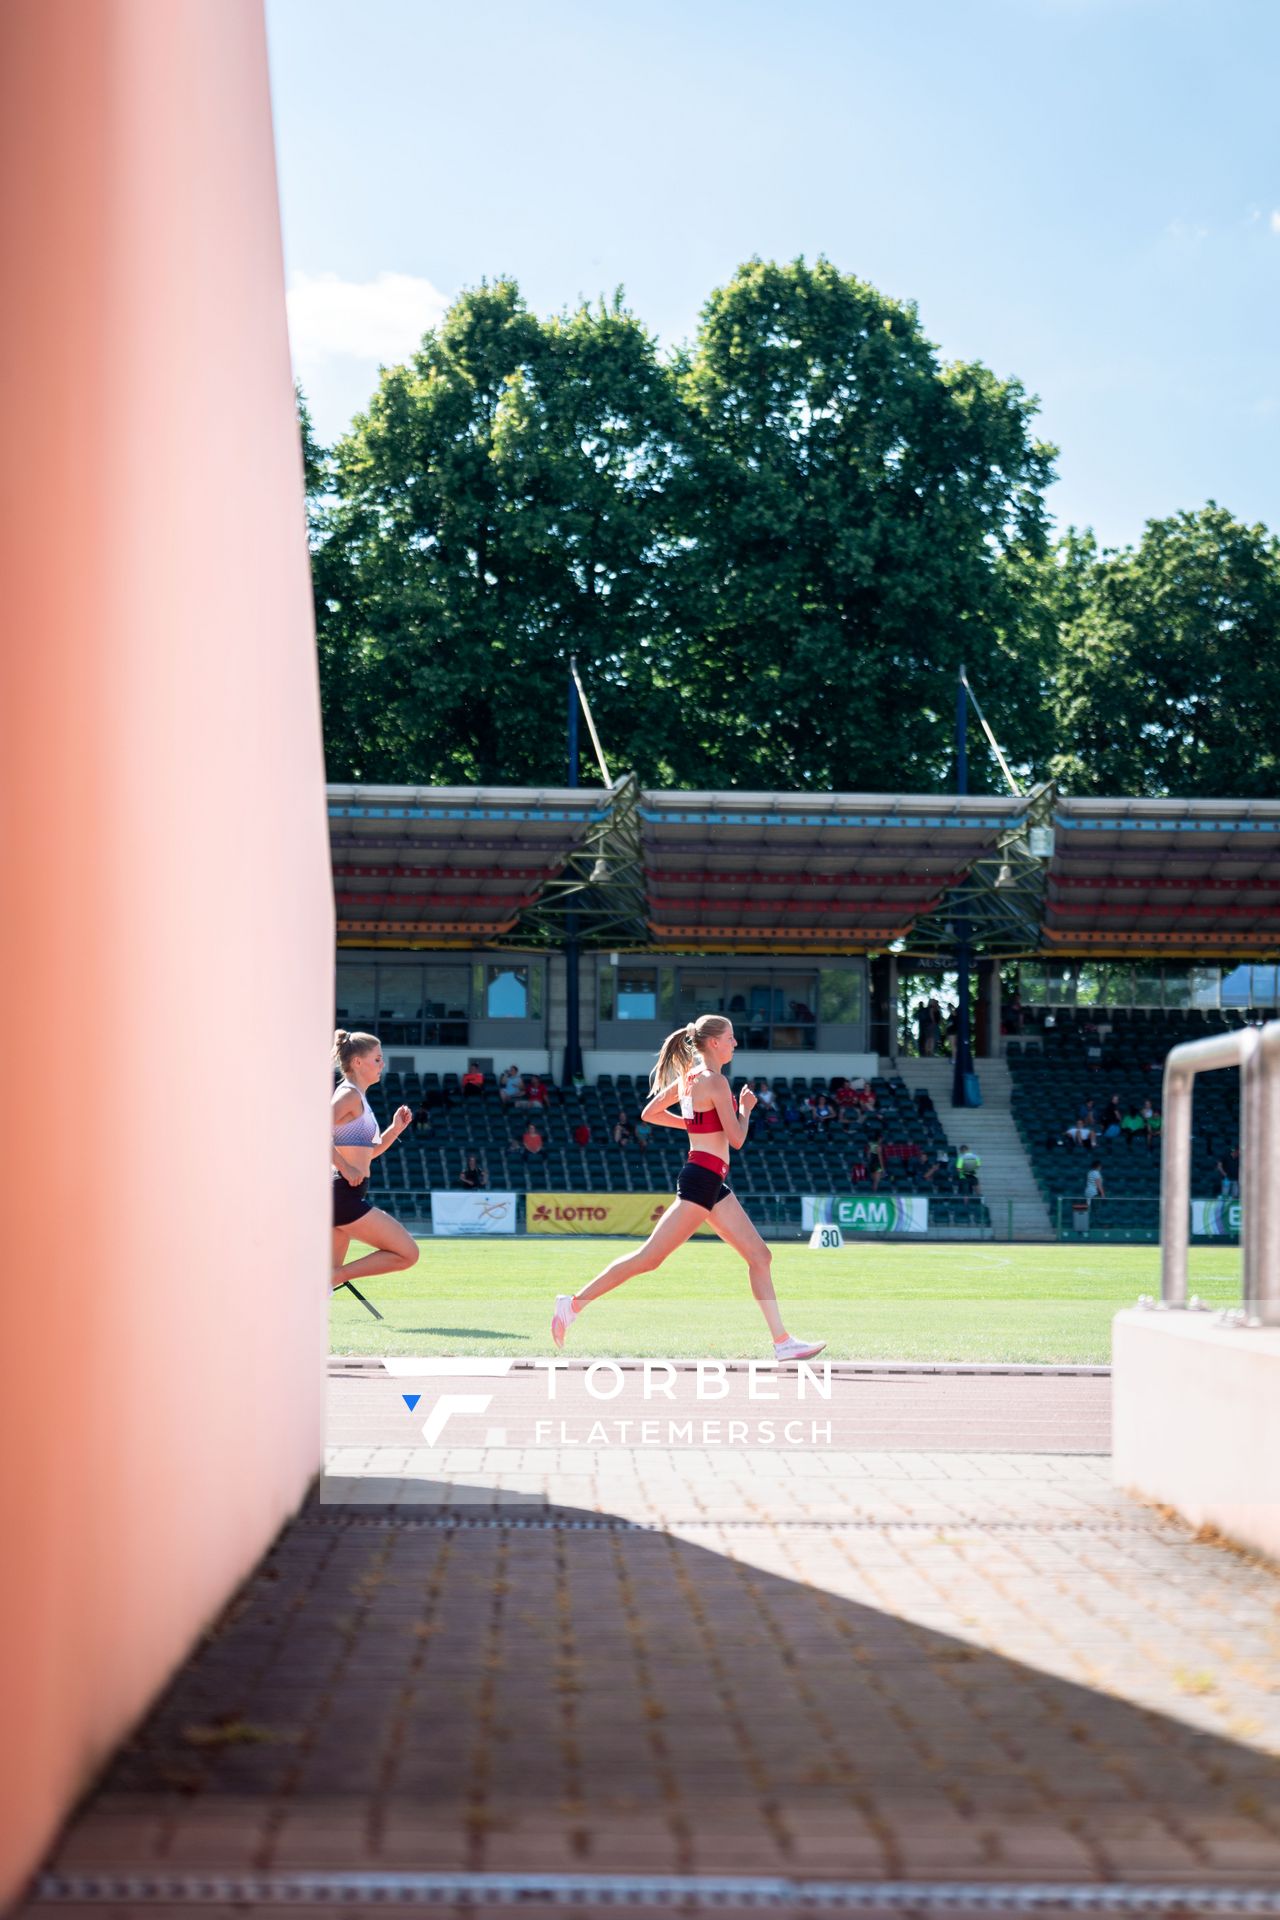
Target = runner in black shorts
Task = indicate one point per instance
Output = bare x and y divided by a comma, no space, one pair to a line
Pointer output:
357,1143
690,1075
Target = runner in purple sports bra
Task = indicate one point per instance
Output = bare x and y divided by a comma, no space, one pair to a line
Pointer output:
356,1145
690,1075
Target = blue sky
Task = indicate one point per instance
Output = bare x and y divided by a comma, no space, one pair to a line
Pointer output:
1082,193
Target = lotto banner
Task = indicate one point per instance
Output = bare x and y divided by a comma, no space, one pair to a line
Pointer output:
865,1213
459,1213
1218,1217
633,1214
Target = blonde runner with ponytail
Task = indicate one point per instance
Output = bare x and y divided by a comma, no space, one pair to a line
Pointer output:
690,1076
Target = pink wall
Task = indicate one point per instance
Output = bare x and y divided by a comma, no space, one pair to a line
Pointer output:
165,965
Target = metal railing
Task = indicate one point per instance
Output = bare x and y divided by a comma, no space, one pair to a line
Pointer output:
1256,1051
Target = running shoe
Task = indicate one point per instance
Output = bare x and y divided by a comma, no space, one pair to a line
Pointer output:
794,1349
563,1317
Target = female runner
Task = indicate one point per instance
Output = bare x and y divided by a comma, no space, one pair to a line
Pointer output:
356,1145
691,1074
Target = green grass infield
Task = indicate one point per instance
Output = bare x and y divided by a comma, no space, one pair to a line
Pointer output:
870,1301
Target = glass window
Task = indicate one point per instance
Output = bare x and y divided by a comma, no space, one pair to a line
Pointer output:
840,996
698,990
400,1003
506,993
447,992
1177,987
1148,987
637,992
1060,984
1204,986
356,1000
1236,987
1032,983
1264,986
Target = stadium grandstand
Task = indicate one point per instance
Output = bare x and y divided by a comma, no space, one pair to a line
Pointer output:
564,932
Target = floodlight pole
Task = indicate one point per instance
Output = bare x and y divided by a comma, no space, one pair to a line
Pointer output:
963,1064
572,1010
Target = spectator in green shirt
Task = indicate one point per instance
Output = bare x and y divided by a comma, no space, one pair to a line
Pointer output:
967,1165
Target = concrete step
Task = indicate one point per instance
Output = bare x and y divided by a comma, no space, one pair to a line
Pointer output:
1006,1177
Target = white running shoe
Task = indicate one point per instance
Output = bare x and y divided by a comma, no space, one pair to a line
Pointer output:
563,1317
797,1349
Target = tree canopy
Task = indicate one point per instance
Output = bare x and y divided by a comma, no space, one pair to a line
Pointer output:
770,552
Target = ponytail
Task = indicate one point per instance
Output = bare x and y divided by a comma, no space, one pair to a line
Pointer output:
349,1046
677,1052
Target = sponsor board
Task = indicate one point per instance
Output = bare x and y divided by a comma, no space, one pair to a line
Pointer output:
865,1212
624,1213
1219,1217
459,1213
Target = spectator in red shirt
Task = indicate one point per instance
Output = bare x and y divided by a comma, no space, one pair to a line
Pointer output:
582,1134
531,1140
535,1092
473,1079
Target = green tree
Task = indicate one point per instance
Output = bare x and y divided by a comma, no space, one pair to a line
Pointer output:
499,509
859,519
1169,676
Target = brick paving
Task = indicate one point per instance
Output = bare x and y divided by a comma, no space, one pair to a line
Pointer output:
878,1660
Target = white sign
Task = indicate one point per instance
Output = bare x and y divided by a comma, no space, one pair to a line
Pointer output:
466,1212
824,1239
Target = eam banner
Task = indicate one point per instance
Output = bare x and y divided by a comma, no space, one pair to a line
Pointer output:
866,1213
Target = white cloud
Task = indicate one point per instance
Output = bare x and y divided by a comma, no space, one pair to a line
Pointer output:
380,320
1275,219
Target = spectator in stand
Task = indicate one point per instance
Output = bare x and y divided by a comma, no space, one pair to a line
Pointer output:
1085,1112
621,1130
1110,1122
875,1159
422,1120
921,1017
968,1167
1079,1134
939,1164
858,1173
1229,1169
935,1025
1093,1187
1132,1125
1150,1122
535,1091
644,1133
582,1134
823,1113
472,1079
842,1092
863,1098
511,1085
531,1142
474,1175
766,1097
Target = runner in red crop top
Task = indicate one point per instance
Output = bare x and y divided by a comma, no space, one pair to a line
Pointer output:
690,1074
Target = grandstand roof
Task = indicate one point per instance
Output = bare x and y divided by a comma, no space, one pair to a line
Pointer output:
791,873
788,872
1195,878
450,866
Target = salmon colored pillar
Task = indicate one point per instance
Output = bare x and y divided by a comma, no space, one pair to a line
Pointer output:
167,943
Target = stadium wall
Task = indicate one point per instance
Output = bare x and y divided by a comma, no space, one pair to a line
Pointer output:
166,1241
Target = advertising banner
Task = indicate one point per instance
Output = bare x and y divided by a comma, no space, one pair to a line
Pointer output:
628,1213
865,1212
456,1213
1216,1217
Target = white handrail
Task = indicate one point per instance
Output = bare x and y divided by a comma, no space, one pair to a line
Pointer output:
1257,1054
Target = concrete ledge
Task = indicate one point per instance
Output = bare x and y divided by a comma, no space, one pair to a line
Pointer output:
1196,1421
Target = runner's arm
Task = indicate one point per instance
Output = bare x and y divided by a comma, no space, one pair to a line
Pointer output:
734,1124
658,1113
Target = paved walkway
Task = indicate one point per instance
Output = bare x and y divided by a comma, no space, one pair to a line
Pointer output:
871,1662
